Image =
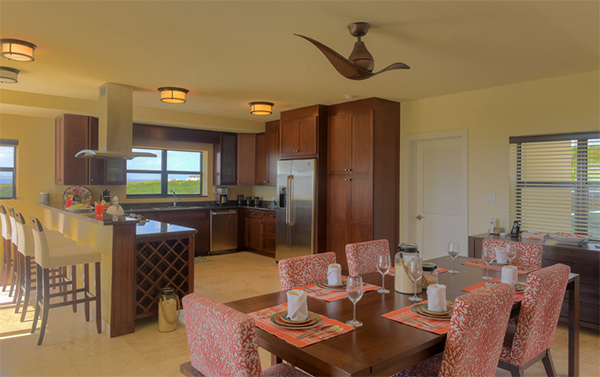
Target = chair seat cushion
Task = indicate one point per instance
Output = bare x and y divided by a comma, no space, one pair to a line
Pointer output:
283,370
72,255
427,367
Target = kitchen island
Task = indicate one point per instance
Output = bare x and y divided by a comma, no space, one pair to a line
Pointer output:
137,260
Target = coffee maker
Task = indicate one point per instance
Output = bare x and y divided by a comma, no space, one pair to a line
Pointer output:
221,195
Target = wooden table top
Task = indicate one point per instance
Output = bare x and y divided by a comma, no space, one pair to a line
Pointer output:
381,346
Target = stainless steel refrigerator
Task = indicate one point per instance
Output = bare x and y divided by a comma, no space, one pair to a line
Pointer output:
296,212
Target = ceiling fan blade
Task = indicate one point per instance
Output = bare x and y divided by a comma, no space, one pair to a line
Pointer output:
393,66
345,67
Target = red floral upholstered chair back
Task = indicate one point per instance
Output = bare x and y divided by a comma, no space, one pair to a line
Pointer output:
540,309
362,256
222,341
304,270
477,328
528,254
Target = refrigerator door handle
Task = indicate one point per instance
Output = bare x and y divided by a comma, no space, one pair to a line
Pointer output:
289,215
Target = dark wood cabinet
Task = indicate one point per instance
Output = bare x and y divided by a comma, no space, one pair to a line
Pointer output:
583,260
260,231
362,174
246,159
225,160
72,134
267,155
302,132
196,219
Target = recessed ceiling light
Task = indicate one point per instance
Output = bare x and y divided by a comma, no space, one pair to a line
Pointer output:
14,49
8,75
261,108
171,94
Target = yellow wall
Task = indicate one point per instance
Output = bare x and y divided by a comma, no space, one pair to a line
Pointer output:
557,105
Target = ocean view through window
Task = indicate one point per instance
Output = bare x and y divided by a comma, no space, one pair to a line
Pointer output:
180,171
8,168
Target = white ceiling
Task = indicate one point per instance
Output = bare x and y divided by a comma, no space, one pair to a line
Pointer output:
228,53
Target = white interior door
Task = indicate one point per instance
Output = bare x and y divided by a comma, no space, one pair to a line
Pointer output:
438,166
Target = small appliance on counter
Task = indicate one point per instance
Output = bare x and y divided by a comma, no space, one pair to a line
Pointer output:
257,201
248,201
106,195
241,200
221,195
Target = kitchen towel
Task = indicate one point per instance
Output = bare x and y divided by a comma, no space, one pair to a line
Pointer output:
436,297
334,274
297,308
510,275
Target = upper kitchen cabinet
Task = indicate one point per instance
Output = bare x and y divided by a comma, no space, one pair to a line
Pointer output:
303,132
362,173
225,160
246,158
267,154
72,134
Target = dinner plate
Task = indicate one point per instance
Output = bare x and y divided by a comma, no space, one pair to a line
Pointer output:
323,284
284,318
80,210
314,320
418,309
445,313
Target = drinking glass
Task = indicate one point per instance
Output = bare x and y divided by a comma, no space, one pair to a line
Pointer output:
354,290
415,272
383,266
511,252
453,251
488,254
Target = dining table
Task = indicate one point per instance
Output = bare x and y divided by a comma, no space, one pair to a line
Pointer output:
382,347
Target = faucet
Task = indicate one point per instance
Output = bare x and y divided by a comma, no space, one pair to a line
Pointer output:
174,198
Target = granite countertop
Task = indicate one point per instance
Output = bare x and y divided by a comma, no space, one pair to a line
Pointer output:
90,215
152,228
141,208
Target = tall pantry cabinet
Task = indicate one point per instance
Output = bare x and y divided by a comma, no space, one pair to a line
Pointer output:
363,146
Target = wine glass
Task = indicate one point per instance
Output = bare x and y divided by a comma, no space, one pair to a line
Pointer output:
511,252
354,290
488,256
415,272
453,251
383,266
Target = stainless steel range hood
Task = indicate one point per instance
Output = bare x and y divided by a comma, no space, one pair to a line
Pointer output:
115,125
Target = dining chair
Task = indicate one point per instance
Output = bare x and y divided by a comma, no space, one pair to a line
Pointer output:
222,341
474,341
48,258
528,254
304,270
530,339
8,260
362,256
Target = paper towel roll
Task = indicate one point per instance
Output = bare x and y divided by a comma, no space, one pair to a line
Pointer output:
334,274
297,308
510,275
436,298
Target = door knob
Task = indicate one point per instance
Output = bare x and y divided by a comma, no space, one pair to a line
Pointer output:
419,217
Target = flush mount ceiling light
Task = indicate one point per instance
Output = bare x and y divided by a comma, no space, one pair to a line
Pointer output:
260,108
14,49
8,75
171,94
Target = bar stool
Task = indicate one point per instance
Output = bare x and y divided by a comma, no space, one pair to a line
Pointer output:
7,259
26,262
62,257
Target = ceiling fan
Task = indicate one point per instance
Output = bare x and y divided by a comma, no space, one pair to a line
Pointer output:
359,65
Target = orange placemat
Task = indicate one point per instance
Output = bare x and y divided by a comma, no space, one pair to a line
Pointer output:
408,317
329,295
263,321
518,295
480,263
439,271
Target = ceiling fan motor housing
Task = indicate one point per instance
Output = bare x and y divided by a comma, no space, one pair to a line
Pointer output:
362,57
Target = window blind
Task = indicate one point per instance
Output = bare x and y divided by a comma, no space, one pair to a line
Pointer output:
555,183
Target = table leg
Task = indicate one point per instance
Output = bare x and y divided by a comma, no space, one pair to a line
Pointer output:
275,360
573,289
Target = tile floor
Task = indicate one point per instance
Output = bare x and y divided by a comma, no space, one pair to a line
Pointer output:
73,348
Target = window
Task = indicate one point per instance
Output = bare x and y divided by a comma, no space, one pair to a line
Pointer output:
8,168
555,182
180,171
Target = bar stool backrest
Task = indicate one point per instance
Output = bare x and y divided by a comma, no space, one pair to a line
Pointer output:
6,231
42,256
13,227
25,243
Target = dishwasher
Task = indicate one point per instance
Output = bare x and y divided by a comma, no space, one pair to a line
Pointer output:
223,231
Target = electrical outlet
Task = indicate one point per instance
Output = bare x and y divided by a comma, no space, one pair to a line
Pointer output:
490,198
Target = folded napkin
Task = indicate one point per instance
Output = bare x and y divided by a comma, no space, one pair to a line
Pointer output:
510,275
297,308
501,255
334,274
436,297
